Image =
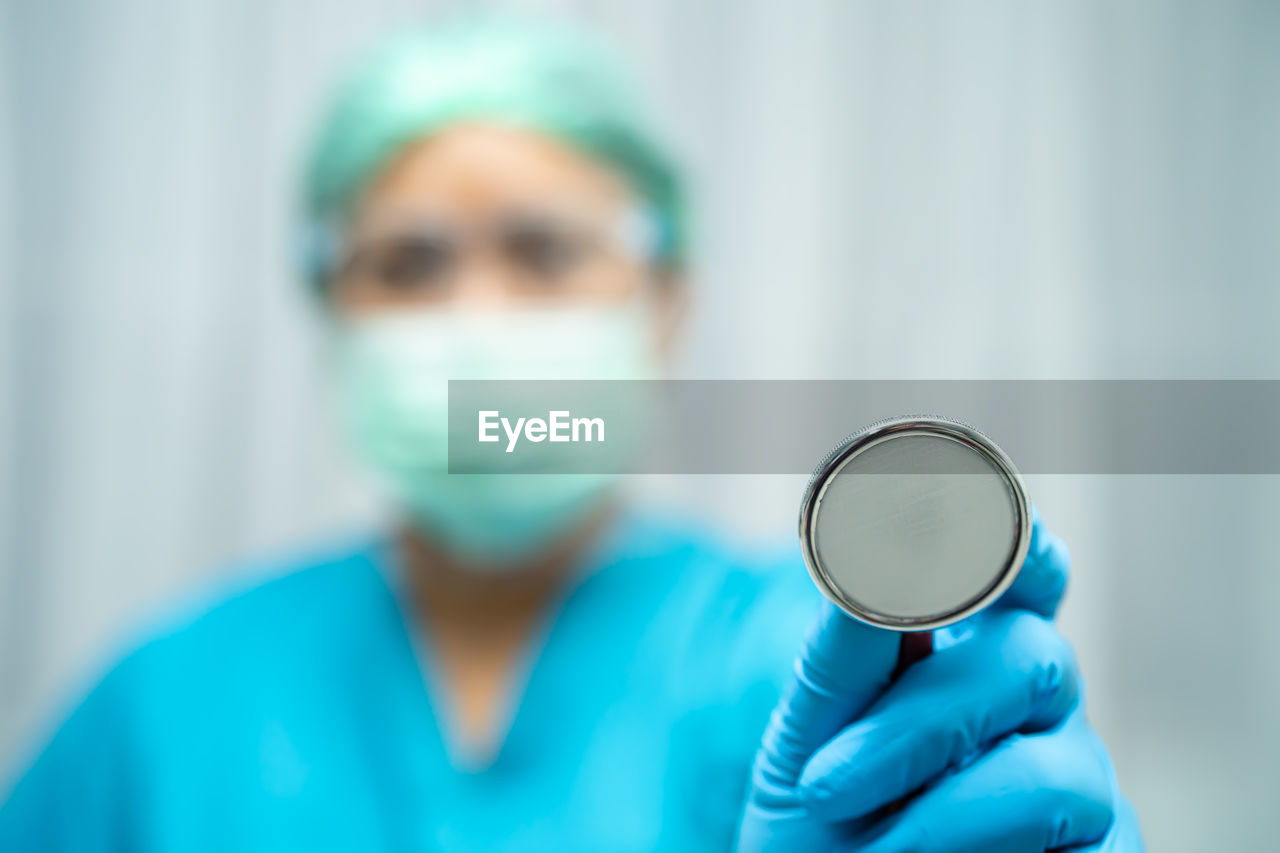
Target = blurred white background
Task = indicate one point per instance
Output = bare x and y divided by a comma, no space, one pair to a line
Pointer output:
885,189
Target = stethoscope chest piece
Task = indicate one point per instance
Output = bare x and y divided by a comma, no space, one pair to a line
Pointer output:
914,523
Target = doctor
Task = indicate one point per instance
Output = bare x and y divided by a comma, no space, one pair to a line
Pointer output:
525,663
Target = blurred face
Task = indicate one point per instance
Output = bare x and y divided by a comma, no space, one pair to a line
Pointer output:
491,216
487,252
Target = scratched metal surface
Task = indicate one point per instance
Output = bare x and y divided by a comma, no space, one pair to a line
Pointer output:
915,527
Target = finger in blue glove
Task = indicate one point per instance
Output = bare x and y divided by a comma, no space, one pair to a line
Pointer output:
1015,674
1027,795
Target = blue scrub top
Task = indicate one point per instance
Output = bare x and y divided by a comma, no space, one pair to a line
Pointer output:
296,716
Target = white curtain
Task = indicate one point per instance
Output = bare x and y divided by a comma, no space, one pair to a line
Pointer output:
885,189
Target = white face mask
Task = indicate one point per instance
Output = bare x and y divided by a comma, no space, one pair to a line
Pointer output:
393,372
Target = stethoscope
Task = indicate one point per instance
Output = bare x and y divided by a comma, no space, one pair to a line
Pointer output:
914,523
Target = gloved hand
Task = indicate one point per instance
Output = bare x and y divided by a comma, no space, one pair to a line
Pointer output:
982,747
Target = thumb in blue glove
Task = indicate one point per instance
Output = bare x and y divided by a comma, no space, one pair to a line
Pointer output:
989,726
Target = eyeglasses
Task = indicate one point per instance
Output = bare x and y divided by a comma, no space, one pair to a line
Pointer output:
421,255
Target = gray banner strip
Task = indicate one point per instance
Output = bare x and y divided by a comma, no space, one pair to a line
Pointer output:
785,427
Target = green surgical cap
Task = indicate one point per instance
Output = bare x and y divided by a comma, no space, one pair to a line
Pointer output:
528,73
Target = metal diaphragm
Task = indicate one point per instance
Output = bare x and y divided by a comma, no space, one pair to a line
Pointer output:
915,523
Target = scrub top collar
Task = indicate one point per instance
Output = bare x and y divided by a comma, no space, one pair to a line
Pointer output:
620,540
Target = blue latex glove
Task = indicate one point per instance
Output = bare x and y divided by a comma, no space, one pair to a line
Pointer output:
986,739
